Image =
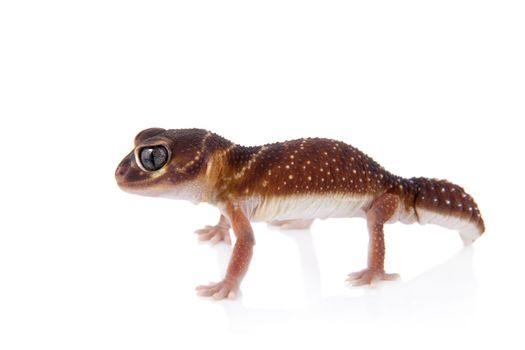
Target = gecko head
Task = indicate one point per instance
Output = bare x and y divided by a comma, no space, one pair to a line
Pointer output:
165,163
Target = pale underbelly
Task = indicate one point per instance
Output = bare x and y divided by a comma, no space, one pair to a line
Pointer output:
306,207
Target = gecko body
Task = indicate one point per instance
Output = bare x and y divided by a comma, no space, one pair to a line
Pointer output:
288,184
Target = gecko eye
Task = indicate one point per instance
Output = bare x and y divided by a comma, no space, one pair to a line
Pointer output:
153,158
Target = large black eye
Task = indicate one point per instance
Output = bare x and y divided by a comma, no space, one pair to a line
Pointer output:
153,158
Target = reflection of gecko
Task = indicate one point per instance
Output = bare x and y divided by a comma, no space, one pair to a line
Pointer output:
290,183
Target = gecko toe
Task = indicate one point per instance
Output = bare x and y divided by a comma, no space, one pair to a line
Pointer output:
391,277
214,234
355,276
370,277
217,291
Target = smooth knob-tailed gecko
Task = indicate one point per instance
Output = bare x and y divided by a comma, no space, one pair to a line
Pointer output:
288,184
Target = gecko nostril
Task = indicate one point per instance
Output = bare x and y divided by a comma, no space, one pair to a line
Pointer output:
121,170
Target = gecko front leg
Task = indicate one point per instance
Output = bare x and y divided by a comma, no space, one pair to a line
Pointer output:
381,210
217,233
239,261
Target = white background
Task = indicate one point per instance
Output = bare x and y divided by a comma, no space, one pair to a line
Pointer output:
426,88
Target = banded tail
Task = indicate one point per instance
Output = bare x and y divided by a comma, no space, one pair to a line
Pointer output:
446,204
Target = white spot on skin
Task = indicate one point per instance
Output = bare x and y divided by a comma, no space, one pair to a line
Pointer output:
290,177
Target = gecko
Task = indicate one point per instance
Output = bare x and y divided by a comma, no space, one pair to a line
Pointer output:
288,184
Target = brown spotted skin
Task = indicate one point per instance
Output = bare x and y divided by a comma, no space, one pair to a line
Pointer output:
316,166
301,167
446,198
205,167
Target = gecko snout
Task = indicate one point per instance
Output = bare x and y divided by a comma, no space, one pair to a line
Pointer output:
133,179
121,171
125,174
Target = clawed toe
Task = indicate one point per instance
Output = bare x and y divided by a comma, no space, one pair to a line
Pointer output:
217,291
214,234
368,276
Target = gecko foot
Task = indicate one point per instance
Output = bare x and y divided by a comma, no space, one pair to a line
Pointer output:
368,276
214,234
221,290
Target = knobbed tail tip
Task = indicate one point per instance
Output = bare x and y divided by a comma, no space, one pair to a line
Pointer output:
446,204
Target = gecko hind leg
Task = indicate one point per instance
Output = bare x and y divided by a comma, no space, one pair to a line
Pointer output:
298,224
217,233
380,212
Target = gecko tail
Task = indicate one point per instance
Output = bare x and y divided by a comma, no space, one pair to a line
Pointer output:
443,203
